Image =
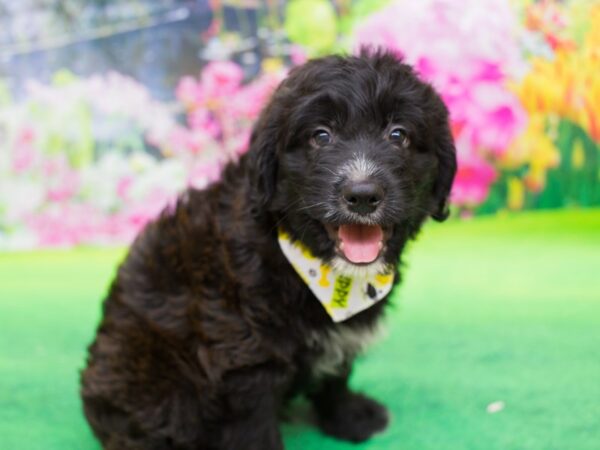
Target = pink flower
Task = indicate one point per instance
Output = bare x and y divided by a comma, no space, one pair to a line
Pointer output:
123,186
298,55
473,180
250,100
188,141
62,180
221,79
221,120
491,117
188,91
24,154
242,142
65,225
201,174
139,214
201,119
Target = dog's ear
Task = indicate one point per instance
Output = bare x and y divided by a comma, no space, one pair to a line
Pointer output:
446,154
262,158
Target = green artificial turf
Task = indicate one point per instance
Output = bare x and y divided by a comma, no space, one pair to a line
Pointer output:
495,309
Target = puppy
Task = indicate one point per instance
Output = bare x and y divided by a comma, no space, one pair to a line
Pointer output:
268,283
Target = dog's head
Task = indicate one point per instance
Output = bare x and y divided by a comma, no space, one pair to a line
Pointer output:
351,155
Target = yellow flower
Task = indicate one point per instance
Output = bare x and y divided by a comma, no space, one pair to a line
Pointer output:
568,85
272,65
578,156
534,143
592,38
533,148
516,193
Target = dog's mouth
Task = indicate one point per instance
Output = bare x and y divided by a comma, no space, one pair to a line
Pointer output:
358,243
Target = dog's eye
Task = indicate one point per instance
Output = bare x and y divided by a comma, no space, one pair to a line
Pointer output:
400,136
321,137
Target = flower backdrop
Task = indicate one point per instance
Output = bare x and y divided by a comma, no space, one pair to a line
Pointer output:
90,159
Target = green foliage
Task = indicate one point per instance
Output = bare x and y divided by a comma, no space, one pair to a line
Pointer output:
312,24
68,128
63,77
5,97
574,182
359,10
315,24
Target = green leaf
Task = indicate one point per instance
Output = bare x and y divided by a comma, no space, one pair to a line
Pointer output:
360,9
312,24
63,77
5,97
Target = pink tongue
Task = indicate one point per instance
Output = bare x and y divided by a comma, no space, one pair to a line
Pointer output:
360,242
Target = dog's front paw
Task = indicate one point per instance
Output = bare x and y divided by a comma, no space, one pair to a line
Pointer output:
354,418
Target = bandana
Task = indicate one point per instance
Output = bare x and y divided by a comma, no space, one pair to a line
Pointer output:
341,295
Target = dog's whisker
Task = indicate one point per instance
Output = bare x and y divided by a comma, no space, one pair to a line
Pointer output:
284,216
313,205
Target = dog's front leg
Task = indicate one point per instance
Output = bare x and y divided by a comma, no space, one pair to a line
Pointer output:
253,405
345,414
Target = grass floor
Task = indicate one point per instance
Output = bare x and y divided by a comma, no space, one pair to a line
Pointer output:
498,309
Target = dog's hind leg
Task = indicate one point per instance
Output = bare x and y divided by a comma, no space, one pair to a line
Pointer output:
142,399
162,428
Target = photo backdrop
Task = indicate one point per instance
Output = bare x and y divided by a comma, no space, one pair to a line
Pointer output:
109,109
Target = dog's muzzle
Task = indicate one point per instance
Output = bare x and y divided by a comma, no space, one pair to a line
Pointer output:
360,240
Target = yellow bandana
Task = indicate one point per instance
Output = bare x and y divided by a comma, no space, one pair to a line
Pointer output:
341,295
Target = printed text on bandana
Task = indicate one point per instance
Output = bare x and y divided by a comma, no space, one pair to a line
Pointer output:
341,290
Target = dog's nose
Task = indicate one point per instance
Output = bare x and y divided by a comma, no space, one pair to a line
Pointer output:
363,197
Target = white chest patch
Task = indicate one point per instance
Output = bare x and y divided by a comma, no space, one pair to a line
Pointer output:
339,345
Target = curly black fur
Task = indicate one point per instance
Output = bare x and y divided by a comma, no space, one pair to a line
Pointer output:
207,330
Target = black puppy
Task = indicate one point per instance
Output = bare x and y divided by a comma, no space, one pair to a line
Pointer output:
217,317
